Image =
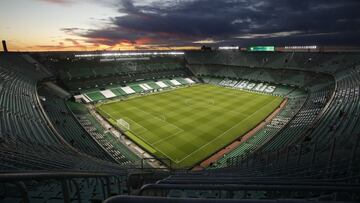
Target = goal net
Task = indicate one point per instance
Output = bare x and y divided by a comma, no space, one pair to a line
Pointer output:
123,124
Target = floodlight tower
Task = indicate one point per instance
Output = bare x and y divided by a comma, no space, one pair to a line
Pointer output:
4,46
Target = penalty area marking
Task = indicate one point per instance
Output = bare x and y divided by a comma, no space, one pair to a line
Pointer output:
144,130
141,138
152,144
112,115
180,130
138,135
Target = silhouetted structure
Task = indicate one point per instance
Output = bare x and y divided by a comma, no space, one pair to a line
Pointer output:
4,46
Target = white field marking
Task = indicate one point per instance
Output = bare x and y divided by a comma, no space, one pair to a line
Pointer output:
172,135
141,138
111,115
152,145
177,161
159,118
165,154
139,133
238,113
224,132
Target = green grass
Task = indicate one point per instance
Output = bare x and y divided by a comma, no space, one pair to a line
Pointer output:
187,125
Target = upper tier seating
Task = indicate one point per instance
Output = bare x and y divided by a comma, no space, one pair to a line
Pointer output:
81,74
318,62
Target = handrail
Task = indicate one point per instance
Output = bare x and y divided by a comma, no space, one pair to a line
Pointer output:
19,176
67,179
294,168
305,188
233,176
249,182
139,199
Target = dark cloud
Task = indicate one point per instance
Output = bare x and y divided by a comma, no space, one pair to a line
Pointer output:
242,22
72,30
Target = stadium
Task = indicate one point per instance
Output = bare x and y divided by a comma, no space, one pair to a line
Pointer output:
214,124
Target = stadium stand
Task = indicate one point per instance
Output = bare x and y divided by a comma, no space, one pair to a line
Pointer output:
54,150
81,74
115,148
68,126
29,142
322,105
108,92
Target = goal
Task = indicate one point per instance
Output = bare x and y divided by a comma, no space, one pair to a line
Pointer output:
123,124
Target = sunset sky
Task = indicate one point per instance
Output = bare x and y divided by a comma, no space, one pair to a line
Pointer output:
42,25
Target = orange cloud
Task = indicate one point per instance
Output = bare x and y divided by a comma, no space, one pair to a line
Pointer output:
70,44
144,40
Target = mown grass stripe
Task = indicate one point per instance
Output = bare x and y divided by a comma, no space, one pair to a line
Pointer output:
202,112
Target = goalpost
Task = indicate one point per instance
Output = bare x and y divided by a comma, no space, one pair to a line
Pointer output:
123,124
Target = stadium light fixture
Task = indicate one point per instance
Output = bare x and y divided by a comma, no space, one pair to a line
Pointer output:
129,54
229,48
301,47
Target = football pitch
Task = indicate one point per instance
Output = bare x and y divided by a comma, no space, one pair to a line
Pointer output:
187,125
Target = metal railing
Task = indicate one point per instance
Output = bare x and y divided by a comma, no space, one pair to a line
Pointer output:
67,180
